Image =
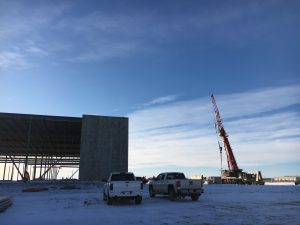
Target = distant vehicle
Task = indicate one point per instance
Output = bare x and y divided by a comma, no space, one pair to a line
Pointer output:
142,179
122,186
174,184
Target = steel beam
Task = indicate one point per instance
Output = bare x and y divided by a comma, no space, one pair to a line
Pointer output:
16,167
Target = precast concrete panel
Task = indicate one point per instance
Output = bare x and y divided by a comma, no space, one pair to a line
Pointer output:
104,147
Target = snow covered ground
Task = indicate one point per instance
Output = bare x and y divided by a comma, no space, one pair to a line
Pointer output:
219,204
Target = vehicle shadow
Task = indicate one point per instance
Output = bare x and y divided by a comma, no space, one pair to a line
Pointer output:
166,198
122,202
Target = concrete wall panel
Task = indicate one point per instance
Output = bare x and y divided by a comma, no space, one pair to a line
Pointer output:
104,146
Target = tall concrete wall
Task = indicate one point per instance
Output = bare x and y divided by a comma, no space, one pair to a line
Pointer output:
104,147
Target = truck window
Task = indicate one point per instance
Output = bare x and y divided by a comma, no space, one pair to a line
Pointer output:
161,176
122,177
175,176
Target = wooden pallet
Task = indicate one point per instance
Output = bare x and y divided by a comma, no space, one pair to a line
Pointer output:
5,202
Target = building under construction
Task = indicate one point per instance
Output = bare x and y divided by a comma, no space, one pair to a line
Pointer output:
36,146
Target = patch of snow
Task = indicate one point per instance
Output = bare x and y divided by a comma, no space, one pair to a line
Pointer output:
219,204
280,183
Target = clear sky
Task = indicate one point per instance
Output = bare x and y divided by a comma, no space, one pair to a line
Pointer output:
157,62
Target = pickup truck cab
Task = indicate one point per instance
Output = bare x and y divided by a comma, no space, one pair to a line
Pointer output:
174,184
122,186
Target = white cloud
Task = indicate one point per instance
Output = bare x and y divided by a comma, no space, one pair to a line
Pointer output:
182,133
259,101
25,33
104,50
8,59
269,127
161,100
20,20
36,50
100,34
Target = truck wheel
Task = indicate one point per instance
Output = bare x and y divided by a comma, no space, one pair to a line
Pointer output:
104,196
195,197
109,200
138,199
172,194
151,192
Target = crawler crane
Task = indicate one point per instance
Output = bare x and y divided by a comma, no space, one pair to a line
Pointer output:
234,175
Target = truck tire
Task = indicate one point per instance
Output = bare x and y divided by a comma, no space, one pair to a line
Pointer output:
172,194
151,192
138,200
109,200
195,197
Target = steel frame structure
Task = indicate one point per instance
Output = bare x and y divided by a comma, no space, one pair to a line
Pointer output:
38,145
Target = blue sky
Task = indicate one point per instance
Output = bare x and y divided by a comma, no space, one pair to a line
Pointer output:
157,62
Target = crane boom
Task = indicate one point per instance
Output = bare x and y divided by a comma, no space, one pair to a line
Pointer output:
232,165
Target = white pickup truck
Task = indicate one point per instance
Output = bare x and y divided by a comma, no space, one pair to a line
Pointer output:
175,185
122,186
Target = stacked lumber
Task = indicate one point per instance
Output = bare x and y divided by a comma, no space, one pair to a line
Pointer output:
5,202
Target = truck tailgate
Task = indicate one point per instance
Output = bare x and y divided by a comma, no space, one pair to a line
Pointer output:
190,184
127,185
125,188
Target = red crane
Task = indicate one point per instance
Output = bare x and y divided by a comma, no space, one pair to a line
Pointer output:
232,165
234,174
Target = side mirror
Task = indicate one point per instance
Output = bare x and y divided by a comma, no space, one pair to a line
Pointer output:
104,180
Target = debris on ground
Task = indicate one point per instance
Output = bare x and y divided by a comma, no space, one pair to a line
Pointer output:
35,189
5,202
69,187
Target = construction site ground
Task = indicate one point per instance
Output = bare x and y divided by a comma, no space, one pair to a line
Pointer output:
79,203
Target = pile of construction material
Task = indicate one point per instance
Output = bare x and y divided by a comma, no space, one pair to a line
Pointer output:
5,202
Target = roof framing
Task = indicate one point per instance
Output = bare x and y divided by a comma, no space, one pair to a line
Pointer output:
38,135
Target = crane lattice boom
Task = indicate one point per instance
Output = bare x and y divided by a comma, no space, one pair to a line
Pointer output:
232,165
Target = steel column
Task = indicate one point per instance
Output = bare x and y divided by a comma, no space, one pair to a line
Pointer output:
4,167
34,171
28,143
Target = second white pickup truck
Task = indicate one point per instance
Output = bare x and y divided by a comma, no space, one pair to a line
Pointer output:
175,185
122,186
